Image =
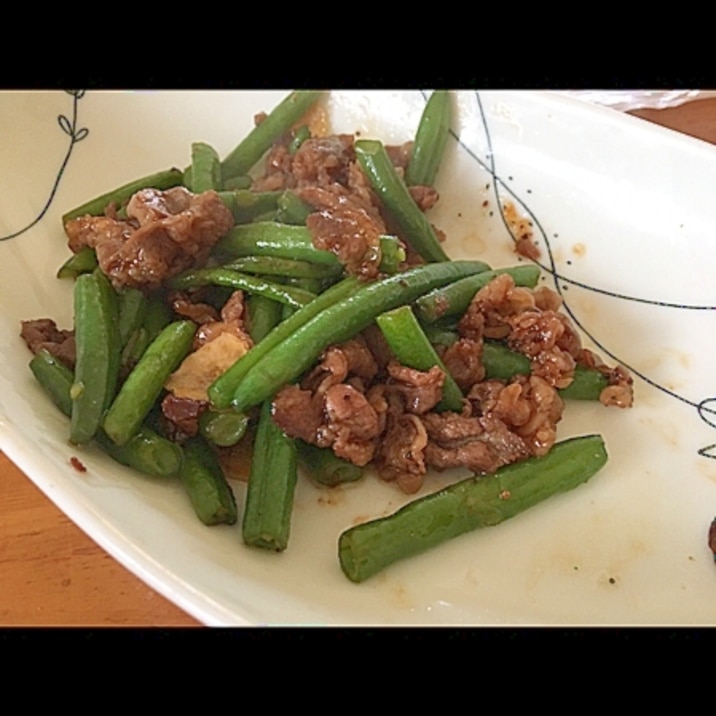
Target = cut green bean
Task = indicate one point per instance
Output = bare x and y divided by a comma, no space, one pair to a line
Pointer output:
325,467
289,295
237,183
206,485
146,451
145,383
221,391
247,206
503,363
430,140
588,384
84,261
205,169
289,268
248,152
55,378
223,428
292,210
453,299
411,348
98,354
263,315
272,483
286,361
467,505
394,194
132,305
392,254
161,180
300,135
269,238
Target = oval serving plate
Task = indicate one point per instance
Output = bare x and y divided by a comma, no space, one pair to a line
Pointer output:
622,214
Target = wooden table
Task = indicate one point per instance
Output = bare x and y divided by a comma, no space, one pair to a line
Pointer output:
52,574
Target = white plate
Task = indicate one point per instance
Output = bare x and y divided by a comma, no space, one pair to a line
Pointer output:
623,211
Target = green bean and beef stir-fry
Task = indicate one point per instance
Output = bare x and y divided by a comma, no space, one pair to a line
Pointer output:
295,302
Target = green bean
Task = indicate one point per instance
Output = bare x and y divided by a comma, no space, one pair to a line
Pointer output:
392,254
440,335
97,354
269,238
300,135
588,384
263,135
292,210
325,467
223,428
247,205
411,347
290,268
221,391
84,261
132,305
430,140
205,169
146,451
206,485
272,483
453,300
467,505
161,180
292,296
145,383
157,315
502,363
263,315
339,322
55,378
394,194
237,183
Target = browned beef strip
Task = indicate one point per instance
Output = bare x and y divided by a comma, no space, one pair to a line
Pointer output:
165,233
43,334
181,416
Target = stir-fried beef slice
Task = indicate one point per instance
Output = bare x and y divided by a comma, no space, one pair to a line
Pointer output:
620,389
338,362
530,322
400,456
181,416
233,317
481,444
43,334
549,341
463,360
351,235
400,155
165,233
488,312
345,225
298,413
324,161
528,405
331,409
184,305
424,196
352,426
421,391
